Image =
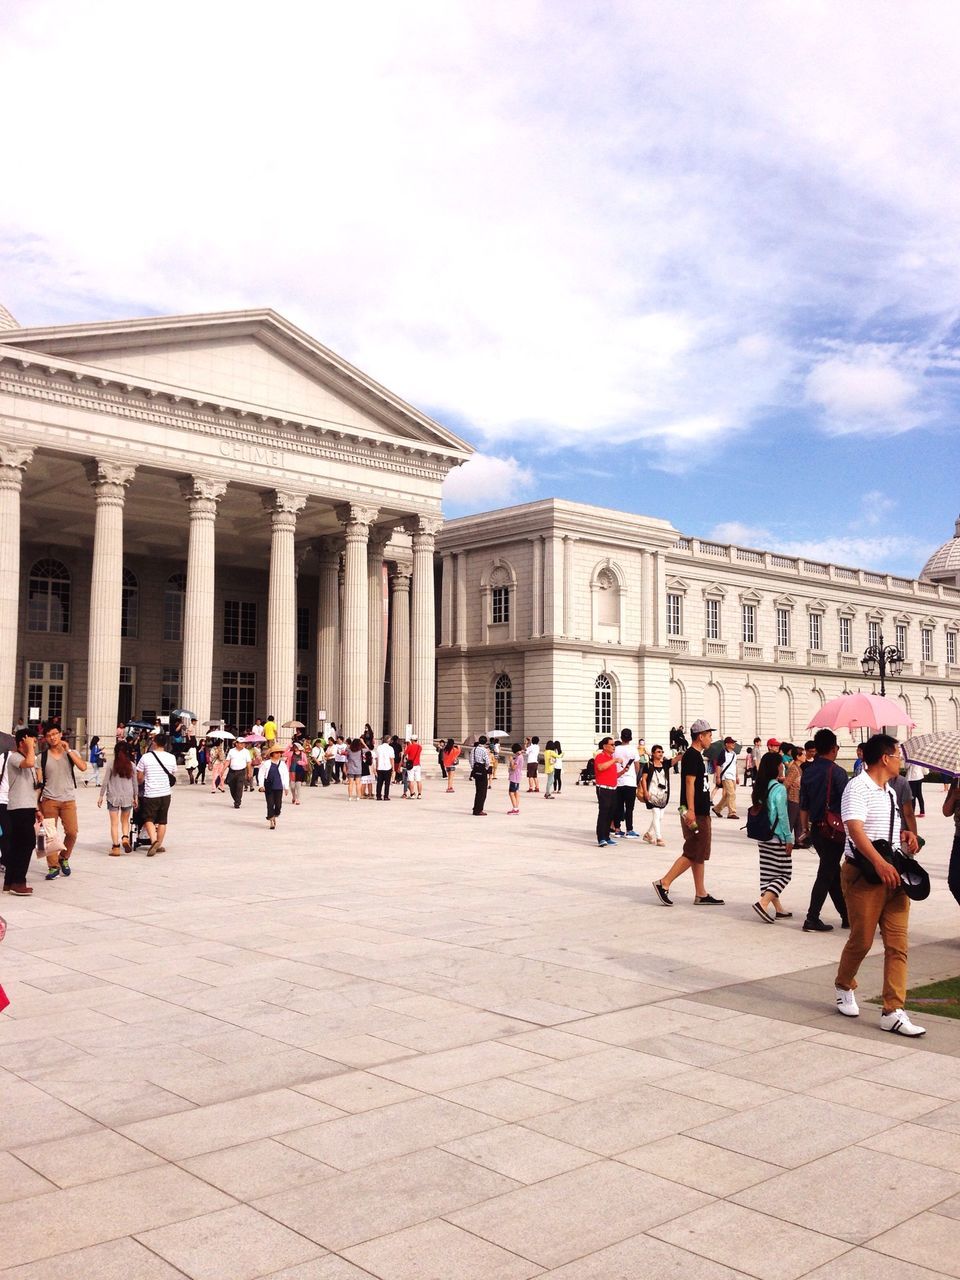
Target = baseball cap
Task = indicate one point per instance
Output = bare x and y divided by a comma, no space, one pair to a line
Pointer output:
700,726
773,744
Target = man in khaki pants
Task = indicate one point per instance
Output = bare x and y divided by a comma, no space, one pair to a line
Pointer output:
725,776
870,812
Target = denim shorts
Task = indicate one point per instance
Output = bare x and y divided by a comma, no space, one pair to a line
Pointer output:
514,786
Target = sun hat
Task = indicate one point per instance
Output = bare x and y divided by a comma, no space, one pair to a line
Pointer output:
275,749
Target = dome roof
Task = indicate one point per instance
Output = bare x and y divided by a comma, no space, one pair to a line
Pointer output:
944,564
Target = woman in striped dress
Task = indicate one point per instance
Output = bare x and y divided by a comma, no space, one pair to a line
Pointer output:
776,860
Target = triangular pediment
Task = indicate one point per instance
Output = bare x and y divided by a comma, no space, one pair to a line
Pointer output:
256,358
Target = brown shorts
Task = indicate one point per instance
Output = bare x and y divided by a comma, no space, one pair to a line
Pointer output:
155,809
65,810
531,770
696,844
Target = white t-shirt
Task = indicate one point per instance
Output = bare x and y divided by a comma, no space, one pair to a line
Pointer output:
864,801
623,753
914,772
237,758
533,753
728,767
5,780
383,755
155,781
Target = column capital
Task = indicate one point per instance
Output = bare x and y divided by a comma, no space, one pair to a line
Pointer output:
284,508
400,574
328,549
423,530
202,494
109,478
353,515
378,539
13,462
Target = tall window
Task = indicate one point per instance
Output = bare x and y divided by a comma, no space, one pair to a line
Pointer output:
846,641
713,619
873,633
503,704
952,648
749,615
239,622
303,632
129,605
901,640
783,628
301,709
608,604
238,696
169,689
500,605
674,615
816,631
46,689
602,705
125,700
926,643
48,597
174,594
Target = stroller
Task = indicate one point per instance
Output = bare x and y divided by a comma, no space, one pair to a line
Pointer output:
138,837
587,775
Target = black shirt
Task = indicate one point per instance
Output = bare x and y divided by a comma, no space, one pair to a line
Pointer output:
692,765
813,787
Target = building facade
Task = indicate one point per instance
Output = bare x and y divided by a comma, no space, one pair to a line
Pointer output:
215,513
572,621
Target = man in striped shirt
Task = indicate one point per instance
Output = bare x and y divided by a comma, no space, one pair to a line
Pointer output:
870,812
479,767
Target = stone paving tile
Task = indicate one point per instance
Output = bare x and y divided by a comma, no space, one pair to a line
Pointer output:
947,1117
844,1194
231,1244
116,1103
901,1104
930,1240
450,1068
331,1267
28,1114
949,1208
219,1082
715,1170
359,1050
681,1048
626,1120
726,1091
434,1251
100,1211
921,1072
555,1221
741,1238
864,1264
643,1258
18,1181
939,1147
628,1025
116,1260
802,1064
506,1099
353,1207
87,1158
256,1169
604,1072
553,1043
354,1091
519,1153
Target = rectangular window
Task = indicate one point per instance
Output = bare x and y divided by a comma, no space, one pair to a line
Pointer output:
952,648
783,628
238,696
926,644
302,705
169,689
816,631
846,642
873,633
674,615
500,603
901,640
239,622
503,705
713,619
749,614
46,690
303,631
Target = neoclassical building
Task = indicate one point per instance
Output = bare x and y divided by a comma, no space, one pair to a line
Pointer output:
571,621
212,512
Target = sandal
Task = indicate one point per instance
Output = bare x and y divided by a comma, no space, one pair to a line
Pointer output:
115,851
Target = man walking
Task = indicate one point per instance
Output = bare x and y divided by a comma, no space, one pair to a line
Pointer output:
479,772
383,758
725,776
58,793
413,754
157,770
21,806
533,762
237,764
626,755
821,791
870,813
694,820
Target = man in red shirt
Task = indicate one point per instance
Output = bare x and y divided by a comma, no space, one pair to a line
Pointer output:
411,754
607,770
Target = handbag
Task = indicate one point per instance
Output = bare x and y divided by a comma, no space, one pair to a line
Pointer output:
172,777
49,839
914,879
658,799
830,828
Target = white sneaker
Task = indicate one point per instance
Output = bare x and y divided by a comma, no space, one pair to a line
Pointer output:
847,1003
899,1023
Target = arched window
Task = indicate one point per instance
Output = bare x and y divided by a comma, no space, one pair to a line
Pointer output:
48,597
608,604
130,605
499,596
503,704
602,705
174,594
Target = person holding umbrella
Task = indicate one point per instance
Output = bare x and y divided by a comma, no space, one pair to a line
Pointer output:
273,779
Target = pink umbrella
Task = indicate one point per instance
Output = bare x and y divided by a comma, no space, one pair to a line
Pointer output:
253,737
860,711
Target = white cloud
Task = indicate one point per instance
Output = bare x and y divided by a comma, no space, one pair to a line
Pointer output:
863,393
486,481
901,553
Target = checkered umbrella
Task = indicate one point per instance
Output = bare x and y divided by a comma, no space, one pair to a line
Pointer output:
939,751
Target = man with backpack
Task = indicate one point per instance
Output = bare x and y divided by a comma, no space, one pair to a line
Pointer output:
157,770
822,785
58,793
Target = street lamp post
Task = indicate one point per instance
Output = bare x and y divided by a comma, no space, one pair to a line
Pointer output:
887,658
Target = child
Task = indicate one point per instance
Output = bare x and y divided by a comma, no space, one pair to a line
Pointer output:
518,767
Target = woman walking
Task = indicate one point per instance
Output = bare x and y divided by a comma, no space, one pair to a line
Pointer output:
296,760
654,791
354,769
95,759
451,754
776,861
218,762
518,767
792,782
190,762
549,759
119,789
273,779
557,767
915,778
201,763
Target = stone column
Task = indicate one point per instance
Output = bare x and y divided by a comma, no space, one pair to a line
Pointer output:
109,480
13,461
569,626
446,599
424,530
375,652
282,604
328,629
460,614
399,647
552,585
354,708
202,496
536,588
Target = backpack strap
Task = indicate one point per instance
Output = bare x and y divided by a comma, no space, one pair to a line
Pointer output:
161,764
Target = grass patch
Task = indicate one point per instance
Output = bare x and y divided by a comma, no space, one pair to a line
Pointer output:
936,997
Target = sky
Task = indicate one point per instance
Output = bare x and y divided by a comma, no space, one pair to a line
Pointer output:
698,261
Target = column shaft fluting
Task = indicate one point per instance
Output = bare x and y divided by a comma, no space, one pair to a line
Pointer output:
356,523
109,481
375,647
423,628
328,629
202,496
282,605
399,649
13,460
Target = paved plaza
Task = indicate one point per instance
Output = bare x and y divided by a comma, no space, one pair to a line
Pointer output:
410,1044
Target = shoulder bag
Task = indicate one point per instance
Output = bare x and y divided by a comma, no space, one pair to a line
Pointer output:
830,828
171,776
